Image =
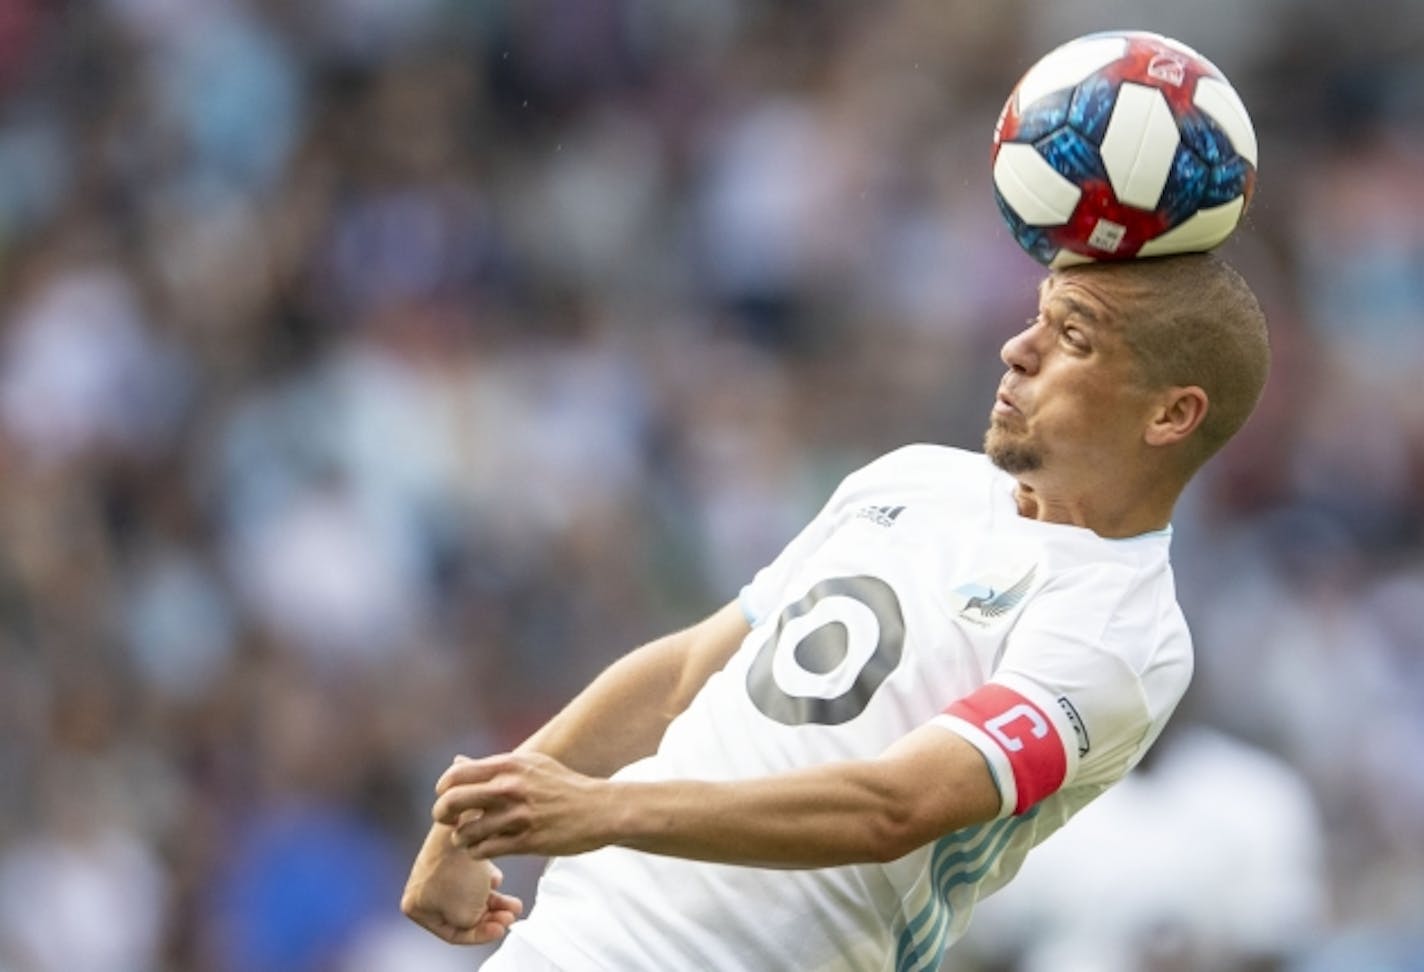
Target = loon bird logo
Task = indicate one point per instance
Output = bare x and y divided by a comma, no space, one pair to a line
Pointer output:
990,603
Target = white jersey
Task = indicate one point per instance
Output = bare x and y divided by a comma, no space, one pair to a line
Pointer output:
918,595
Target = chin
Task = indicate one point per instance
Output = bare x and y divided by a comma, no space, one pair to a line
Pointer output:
1014,458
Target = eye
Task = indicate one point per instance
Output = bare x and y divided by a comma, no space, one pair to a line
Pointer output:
1075,338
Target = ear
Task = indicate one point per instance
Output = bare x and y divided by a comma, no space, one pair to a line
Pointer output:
1179,411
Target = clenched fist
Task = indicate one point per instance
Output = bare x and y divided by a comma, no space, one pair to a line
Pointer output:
455,895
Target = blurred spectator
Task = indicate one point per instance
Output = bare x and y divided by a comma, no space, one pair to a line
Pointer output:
1237,829
85,888
298,884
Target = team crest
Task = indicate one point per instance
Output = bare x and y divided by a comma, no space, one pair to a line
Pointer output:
994,596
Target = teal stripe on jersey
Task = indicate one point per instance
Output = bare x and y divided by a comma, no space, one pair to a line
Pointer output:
918,953
959,846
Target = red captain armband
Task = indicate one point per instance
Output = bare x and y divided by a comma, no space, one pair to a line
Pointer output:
1026,736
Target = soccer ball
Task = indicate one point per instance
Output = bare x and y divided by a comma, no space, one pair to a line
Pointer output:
1122,144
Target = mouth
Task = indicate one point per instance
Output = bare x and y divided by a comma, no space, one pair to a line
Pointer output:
1004,405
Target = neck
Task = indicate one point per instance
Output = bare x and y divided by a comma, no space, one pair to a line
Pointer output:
1114,514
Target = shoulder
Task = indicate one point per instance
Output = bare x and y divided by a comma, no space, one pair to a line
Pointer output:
919,473
923,462
1125,606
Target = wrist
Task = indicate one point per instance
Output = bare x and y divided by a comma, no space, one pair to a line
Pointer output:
623,816
656,816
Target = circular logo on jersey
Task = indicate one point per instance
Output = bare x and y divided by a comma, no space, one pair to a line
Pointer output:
829,652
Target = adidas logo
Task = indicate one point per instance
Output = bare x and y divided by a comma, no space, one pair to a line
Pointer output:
880,515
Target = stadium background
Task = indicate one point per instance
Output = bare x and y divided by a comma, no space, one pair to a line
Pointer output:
374,371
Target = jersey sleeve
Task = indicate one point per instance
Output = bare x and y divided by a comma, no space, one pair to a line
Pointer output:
1084,688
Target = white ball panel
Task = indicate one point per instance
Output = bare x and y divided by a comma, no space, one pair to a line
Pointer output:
1221,102
1204,230
1068,65
1033,188
1139,144
1173,44
1067,258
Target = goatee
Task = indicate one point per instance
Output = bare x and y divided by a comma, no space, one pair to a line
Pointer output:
1013,458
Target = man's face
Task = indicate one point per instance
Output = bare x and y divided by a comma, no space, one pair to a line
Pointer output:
1071,407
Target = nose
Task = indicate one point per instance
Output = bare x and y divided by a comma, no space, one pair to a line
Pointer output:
1019,352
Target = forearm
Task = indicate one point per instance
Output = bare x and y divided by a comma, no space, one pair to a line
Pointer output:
622,715
843,813
929,783
618,718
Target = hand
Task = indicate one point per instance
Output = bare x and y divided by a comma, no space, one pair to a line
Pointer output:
523,803
455,895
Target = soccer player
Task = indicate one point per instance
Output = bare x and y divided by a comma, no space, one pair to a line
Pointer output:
954,656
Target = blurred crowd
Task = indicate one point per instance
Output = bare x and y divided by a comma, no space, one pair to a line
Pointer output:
372,372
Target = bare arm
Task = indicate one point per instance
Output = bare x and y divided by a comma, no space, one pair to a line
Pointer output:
623,713
928,784
619,718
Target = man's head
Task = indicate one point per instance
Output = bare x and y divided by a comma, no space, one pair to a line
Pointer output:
1153,362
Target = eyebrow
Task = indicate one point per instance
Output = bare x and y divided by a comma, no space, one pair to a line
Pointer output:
1074,308
1080,309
